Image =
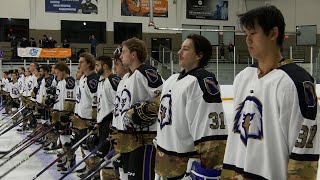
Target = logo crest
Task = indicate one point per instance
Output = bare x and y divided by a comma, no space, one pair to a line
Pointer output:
165,114
248,120
152,75
309,94
211,86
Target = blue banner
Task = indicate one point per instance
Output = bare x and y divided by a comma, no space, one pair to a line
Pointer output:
72,6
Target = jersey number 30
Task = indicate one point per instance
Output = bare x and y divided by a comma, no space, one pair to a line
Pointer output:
217,120
303,136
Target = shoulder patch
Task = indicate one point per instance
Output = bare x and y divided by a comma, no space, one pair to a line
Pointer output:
310,94
209,85
70,82
93,81
48,81
114,81
305,87
152,75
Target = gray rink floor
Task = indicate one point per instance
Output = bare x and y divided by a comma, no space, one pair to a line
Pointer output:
37,162
34,164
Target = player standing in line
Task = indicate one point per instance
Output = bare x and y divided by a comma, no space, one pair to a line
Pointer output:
64,108
86,115
191,129
106,93
120,70
14,94
137,111
276,112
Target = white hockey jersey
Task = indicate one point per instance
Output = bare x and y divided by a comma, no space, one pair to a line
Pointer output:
88,95
144,84
107,89
65,92
275,118
5,83
25,86
116,121
13,89
190,112
77,97
31,84
21,82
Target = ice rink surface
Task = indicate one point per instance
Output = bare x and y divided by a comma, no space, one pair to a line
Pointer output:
36,163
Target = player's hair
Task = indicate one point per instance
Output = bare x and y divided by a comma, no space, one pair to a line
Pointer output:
35,64
45,68
267,17
201,45
6,73
89,58
22,68
105,60
62,66
15,72
136,45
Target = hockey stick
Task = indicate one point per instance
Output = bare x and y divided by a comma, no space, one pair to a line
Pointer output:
85,158
65,153
26,158
34,134
10,127
14,125
102,165
24,147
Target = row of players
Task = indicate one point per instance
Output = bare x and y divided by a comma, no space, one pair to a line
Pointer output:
175,129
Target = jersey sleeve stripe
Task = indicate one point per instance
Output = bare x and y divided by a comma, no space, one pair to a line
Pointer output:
172,153
304,157
211,138
241,171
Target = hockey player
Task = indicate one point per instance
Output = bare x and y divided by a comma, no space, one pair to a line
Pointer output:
13,90
4,91
106,93
21,79
120,70
86,116
191,129
276,112
63,108
135,110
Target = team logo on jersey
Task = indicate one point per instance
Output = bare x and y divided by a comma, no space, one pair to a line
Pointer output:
248,120
152,75
93,83
70,83
20,85
116,106
125,101
48,82
309,93
165,114
29,85
211,86
116,80
78,96
99,103
15,91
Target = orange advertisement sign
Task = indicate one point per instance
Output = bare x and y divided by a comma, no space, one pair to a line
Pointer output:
141,8
44,52
55,53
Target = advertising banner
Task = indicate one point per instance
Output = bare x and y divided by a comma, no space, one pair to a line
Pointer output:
207,9
72,6
44,52
141,8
